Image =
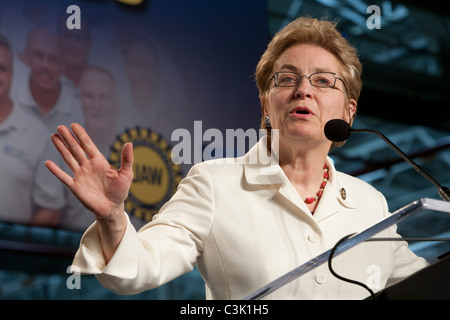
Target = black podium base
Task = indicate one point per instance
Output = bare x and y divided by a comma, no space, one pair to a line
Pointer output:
430,283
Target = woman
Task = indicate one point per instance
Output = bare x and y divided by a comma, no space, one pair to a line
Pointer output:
247,223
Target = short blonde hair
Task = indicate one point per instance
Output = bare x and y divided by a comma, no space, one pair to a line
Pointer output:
322,33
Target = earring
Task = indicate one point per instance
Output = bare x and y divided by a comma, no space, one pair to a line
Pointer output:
267,121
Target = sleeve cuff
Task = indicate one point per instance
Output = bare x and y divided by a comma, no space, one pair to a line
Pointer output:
89,258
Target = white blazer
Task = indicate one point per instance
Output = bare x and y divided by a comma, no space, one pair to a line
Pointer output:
244,225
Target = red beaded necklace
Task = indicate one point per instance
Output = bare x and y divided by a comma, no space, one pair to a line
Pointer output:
309,200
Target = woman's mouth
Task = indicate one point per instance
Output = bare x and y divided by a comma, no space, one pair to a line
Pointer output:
301,112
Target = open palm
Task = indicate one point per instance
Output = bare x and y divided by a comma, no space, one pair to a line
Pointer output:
101,188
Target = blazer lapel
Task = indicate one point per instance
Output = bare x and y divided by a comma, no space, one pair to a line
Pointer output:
272,174
335,196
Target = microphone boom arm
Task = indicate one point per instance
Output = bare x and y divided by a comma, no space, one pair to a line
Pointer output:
444,192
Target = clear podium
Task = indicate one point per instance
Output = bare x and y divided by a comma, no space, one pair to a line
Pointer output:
432,282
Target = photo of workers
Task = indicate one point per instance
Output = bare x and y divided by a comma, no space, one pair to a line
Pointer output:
61,66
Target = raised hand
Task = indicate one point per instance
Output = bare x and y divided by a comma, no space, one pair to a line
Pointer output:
101,188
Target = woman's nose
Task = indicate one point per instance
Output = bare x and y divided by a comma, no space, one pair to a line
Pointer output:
303,89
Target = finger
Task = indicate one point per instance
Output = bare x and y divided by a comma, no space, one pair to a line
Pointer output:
72,144
59,173
85,141
64,152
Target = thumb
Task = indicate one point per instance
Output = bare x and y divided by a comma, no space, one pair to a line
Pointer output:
127,157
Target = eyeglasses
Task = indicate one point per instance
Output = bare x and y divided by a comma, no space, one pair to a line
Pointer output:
317,79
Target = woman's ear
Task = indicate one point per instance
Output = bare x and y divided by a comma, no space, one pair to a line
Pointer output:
352,104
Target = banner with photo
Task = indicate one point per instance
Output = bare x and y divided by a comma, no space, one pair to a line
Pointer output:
125,73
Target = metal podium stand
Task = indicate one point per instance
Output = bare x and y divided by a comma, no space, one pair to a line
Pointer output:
394,218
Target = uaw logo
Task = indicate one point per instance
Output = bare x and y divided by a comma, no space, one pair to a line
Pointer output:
156,177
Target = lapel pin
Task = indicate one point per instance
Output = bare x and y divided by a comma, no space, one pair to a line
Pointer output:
343,193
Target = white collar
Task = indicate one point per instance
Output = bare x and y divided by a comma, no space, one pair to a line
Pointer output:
270,173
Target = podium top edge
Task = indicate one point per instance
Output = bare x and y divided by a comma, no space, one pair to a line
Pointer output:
435,204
